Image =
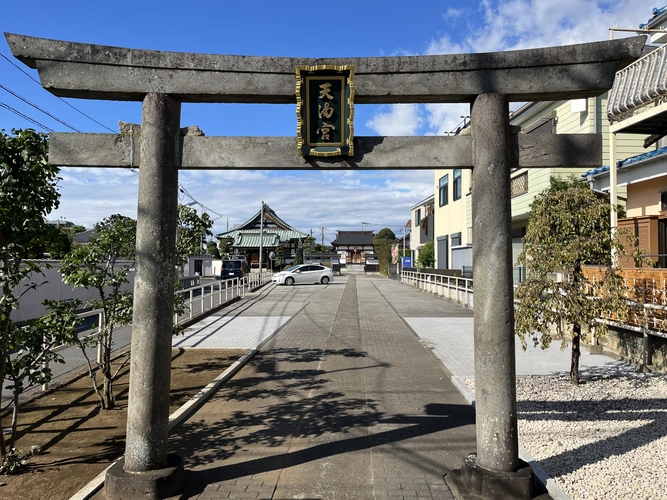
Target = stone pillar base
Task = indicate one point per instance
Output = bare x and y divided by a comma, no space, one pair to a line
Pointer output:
472,481
152,485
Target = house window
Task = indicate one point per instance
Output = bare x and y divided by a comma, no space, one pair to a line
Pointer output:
455,238
519,185
418,217
457,184
444,190
663,201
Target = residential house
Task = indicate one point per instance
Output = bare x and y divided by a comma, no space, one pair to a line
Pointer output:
355,244
275,232
453,219
637,106
422,216
453,188
579,116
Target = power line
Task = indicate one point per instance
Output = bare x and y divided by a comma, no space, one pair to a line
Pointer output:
38,108
25,117
57,97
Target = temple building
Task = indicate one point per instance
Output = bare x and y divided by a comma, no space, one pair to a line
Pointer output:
276,232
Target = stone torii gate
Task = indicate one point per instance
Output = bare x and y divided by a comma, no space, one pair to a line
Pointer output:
163,80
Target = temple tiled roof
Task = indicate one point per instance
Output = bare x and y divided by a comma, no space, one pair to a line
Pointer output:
353,238
275,231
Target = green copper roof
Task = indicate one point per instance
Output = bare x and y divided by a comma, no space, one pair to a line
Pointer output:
273,225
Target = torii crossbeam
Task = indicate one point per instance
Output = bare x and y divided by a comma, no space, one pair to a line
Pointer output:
163,80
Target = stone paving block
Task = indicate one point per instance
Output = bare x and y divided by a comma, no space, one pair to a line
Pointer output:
332,399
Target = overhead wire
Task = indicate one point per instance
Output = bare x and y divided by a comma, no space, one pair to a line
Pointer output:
25,117
57,97
15,94
18,96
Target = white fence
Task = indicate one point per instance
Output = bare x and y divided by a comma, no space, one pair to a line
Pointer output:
450,287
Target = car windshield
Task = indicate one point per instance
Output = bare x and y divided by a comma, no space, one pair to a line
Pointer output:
293,268
231,264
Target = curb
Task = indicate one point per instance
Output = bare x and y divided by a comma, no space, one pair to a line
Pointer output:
176,418
541,475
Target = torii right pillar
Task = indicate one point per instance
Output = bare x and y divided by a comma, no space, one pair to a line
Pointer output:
495,471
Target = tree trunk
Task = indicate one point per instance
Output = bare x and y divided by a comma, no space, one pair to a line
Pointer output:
15,421
108,373
576,354
3,361
576,330
3,373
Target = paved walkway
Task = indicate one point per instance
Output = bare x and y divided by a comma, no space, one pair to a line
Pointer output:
349,396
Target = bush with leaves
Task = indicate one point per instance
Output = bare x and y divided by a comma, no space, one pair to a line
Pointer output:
382,243
33,350
426,257
280,257
104,265
298,256
190,230
27,195
569,226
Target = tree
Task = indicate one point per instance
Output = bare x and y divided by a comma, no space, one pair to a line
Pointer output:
191,229
60,243
309,245
298,256
27,194
33,345
569,226
386,234
212,249
280,256
322,249
382,243
426,256
224,245
104,265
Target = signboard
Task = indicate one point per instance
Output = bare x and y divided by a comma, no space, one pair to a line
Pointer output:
325,110
407,262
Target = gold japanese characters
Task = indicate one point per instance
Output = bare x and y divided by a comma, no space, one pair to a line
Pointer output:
325,110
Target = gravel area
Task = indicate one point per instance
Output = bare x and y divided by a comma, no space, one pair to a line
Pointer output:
604,439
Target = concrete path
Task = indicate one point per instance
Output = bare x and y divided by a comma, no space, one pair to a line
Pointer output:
350,395
342,402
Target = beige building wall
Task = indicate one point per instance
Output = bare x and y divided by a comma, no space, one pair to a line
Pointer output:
585,116
644,197
456,215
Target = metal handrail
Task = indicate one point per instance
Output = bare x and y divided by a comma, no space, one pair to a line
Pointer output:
453,287
236,287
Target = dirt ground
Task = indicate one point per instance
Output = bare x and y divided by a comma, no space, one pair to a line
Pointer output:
78,440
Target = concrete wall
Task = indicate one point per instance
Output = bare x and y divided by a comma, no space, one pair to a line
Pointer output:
52,288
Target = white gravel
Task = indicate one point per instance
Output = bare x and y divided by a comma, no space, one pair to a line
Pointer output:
604,439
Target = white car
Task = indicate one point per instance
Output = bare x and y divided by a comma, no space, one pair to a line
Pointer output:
304,273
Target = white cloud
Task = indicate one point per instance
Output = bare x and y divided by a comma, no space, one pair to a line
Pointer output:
511,25
400,119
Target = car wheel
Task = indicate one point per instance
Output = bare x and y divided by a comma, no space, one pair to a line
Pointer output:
325,280
289,281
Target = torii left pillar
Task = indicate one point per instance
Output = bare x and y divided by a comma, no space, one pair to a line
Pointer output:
147,470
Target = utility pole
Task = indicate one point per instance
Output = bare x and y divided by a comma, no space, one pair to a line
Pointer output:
261,235
322,234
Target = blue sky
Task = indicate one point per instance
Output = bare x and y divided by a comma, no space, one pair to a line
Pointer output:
335,200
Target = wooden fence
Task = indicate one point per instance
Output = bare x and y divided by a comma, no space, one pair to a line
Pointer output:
645,286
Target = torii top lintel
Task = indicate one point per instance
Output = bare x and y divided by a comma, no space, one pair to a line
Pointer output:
70,69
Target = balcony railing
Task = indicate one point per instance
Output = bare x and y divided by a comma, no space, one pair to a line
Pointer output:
641,83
